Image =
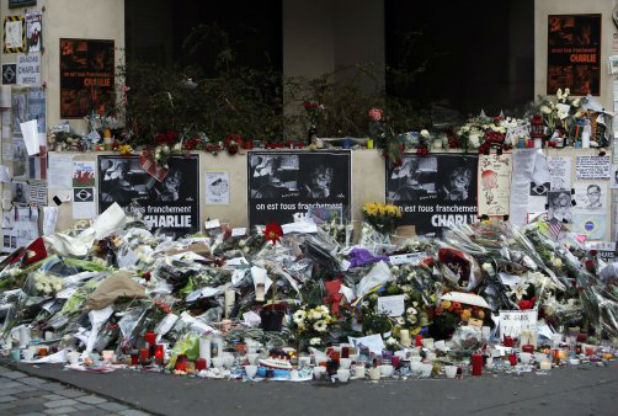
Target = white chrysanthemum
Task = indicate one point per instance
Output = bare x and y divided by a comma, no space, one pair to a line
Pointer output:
411,311
315,341
320,326
299,316
323,309
391,341
545,109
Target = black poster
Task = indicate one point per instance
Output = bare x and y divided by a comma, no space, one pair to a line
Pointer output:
284,184
9,74
86,77
171,206
574,53
435,191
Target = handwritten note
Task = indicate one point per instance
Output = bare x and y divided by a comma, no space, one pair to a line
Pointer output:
513,322
391,305
592,167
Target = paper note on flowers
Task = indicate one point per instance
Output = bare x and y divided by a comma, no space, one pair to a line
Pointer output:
513,322
494,178
391,305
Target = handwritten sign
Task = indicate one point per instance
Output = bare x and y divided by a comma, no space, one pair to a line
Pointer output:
513,322
29,69
592,167
391,305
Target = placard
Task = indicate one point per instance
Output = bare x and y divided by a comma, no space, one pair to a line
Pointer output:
592,167
29,69
494,178
560,172
86,77
217,188
171,205
391,305
434,191
574,53
282,184
512,323
14,34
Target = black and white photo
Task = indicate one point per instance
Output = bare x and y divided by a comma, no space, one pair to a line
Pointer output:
559,206
171,205
590,196
435,191
282,184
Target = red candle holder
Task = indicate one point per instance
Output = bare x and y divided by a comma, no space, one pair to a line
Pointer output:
589,351
134,357
513,359
201,364
419,341
159,354
508,341
477,364
151,338
144,355
582,337
345,352
528,348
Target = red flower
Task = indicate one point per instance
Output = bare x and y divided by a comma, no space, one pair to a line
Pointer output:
310,105
230,139
376,114
526,304
273,233
169,138
590,265
210,147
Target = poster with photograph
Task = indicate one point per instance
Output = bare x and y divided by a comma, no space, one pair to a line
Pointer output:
171,206
434,191
559,205
282,184
574,54
84,174
14,34
86,76
217,186
590,196
19,192
494,178
34,31
593,226
9,240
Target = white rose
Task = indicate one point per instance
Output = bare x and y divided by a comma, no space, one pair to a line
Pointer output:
545,109
424,133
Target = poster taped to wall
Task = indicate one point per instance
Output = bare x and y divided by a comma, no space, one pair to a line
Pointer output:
14,34
282,184
217,188
86,76
574,53
591,196
494,177
559,172
592,167
435,191
591,225
34,31
171,206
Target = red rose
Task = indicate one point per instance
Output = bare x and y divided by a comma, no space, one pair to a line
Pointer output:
376,114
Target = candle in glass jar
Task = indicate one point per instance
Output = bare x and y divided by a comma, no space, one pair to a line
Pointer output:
404,336
200,364
528,348
477,364
144,355
508,341
513,359
150,338
134,357
159,354
419,341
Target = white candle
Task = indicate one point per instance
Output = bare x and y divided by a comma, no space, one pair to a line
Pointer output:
404,336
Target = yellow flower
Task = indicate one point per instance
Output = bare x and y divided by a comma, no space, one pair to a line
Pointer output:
446,304
466,314
125,149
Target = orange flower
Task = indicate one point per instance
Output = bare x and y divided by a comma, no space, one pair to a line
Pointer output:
466,314
480,314
455,306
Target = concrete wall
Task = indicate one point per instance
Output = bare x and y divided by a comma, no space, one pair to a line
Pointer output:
544,8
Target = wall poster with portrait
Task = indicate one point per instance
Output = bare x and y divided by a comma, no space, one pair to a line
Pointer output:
86,77
285,185
434,192
171,205
574,53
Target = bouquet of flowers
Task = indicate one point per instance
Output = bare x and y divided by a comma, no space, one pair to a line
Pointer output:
311,326
383,217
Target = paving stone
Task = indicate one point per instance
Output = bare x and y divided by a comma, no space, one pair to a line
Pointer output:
91,412
82,406
9,384
32,380
51,387
14,374
91,399
53,396
133,412
60,403
112,407
5,406
5,399
60,410
33,414
27,407
72,393
32,394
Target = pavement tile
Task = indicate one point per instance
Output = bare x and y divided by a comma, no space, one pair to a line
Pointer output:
51,387
82,406
91,399
72,393
14,374
60,403
133,412
91,412
33,414
9,384
32,380
31,394
112,407
26,408
53,396
60,410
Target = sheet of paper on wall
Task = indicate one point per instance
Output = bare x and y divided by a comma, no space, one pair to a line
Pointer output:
494,182
527,165
84,204
20,158
60,169
50,219
26,225
5,174
37,193
606,250
591,197
34,31
217,188
9,241
592,167
30,134
591,225
84,174
29,69
559,172
5,98
19,110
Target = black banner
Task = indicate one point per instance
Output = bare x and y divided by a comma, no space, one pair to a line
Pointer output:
434,191
282,184
574,53
86,77
171,205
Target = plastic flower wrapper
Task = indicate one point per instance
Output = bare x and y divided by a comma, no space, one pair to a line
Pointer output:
372,240
189,345
467,339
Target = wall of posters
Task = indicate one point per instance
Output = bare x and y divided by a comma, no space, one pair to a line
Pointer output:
281,184
574,53
171,206
494,179
86,76
434,191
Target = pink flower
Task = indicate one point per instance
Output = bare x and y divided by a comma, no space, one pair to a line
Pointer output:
375,114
